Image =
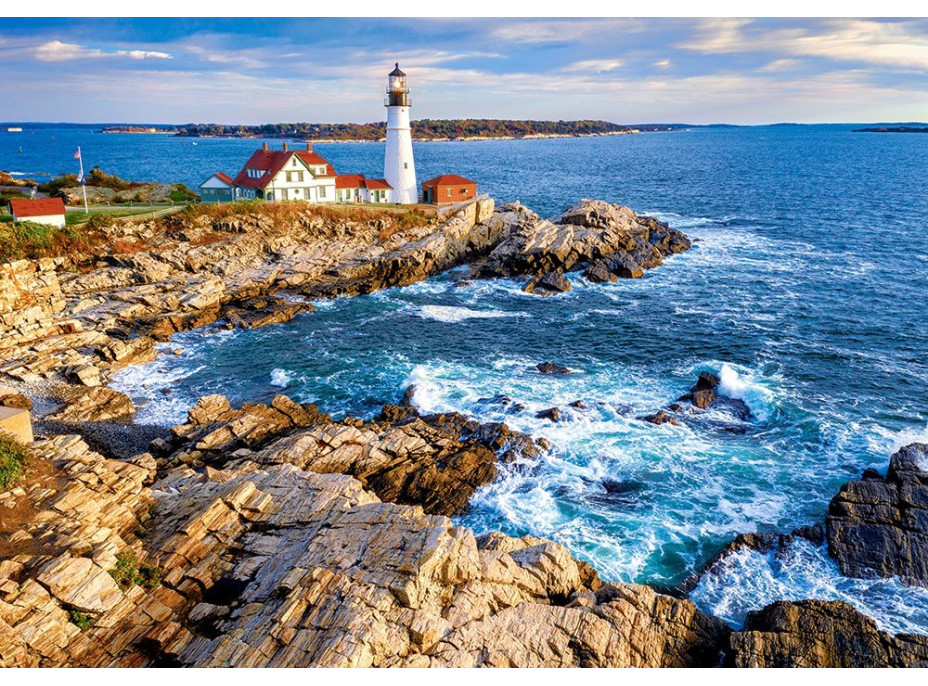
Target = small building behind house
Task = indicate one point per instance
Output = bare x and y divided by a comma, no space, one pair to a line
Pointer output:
358,188
218,188
49,211
448,189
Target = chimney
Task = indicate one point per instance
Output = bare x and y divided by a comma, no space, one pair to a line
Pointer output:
286,147
265,145
309,146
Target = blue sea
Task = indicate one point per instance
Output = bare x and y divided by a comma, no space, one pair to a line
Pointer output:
805,290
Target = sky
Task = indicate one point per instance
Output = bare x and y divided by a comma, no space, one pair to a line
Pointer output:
252,71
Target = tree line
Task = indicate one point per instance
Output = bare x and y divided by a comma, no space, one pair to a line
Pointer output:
422,129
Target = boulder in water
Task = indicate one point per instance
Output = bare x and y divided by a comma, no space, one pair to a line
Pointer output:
551,368
551,413
552,282
879,526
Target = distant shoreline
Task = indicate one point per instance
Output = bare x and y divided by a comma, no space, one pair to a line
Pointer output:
893,129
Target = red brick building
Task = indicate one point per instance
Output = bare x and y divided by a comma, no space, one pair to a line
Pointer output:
448,189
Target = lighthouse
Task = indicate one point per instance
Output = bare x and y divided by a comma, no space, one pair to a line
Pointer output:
398,167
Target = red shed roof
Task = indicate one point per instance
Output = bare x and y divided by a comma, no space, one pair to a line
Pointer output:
41,207
224,177
359,181
377,184
349,181
449,180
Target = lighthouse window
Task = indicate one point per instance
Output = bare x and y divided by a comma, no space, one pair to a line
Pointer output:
405,165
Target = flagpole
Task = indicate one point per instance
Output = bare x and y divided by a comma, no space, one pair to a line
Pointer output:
80,158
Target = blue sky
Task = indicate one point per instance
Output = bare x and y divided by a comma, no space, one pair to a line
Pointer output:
334,70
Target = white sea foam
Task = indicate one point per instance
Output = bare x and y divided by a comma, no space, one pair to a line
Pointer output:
280,378
749,580
744,386
449,314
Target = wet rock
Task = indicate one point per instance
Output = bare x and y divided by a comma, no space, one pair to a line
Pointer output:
578,405
551,368
548,284
704,392
660,417
814,633
599,272
552,413
625,266
879,527
503,401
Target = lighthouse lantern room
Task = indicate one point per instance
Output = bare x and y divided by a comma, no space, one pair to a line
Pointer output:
399,168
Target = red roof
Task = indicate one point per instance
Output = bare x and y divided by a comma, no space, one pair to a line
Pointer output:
449,180
358,181
224,177
377,184
36,208
272,161
349,181
312,158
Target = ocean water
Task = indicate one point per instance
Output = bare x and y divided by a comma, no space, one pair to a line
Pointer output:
805,291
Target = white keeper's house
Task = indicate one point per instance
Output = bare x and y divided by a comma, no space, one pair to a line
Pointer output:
281,175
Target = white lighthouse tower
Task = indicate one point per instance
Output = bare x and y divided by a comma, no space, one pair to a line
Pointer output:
398,167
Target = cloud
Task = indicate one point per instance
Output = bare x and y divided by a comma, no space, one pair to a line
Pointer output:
785,64
889,43
563,30
593,66
663,64
58,51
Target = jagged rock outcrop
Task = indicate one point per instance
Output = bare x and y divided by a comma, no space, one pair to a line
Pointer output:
97,404
879,526
607,241
814,633
277,566
436,461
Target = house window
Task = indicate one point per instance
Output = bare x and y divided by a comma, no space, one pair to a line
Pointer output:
449,192
299,176
322,191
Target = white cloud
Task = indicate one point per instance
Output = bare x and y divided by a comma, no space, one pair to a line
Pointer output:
888,43
563,30
58,51
785,64
663,64
593,66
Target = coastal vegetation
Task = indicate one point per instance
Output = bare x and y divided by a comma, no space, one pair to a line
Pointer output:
30,240
422,129
14,457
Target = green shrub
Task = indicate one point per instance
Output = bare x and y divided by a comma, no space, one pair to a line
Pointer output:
128,573
183,194
14,457
59,182
80,619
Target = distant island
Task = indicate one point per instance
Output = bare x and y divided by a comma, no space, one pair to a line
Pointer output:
893,129
423,129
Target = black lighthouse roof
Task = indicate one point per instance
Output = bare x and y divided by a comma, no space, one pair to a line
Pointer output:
397,71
